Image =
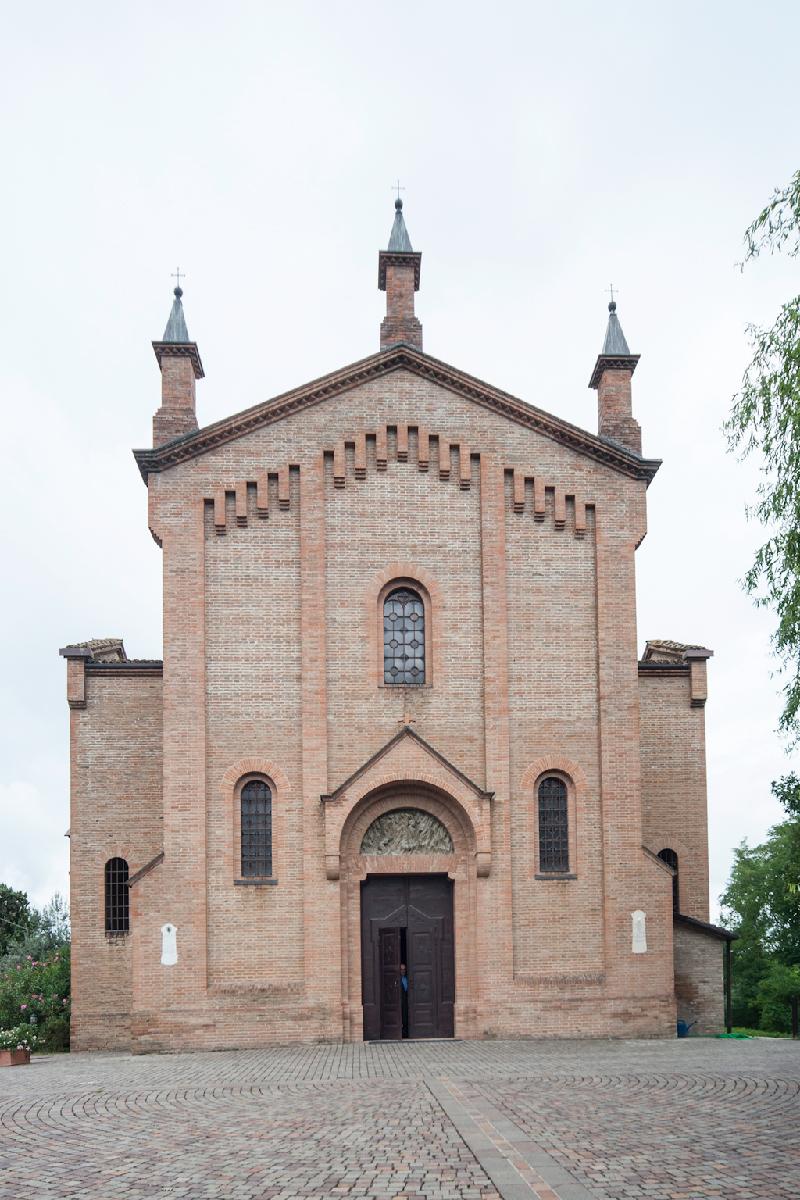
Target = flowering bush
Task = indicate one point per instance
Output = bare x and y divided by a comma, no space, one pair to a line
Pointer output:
21,1037
38,989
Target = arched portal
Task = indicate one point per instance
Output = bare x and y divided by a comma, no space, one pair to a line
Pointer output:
408,896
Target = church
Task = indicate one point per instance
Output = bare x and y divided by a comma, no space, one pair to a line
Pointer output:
401,772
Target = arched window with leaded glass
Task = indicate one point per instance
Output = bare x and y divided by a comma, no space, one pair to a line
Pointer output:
117,900
256,829
553,826
403,637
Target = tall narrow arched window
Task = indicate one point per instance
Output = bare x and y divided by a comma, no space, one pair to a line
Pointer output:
671,859
256,808
403,637
118,915
553,827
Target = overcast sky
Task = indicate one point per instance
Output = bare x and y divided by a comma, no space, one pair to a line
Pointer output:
545,150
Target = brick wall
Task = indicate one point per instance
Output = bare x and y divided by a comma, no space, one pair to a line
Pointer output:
252,580
674,801
699,979
558,926
115,811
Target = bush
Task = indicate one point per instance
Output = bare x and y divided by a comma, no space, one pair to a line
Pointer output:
774,994
21,1037
40,989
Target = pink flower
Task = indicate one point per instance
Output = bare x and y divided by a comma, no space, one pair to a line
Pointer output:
64,1001
23,1007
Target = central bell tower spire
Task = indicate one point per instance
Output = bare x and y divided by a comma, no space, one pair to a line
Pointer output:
398,276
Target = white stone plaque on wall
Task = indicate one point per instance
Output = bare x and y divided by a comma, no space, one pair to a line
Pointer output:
638,932
169,945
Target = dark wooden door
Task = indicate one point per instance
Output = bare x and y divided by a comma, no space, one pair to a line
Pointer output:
430,956
416,910
390,999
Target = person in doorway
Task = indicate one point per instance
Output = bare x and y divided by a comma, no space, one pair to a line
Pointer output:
404,997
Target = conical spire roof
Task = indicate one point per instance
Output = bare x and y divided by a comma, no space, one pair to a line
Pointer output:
176,342
615,352
399,241
615,344
176,330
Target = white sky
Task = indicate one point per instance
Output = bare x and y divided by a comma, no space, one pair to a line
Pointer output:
545,150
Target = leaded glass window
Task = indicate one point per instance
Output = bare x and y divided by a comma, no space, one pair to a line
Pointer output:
403,637
118,919
553,833
256,802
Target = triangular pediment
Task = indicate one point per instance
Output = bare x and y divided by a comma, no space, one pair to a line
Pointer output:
400,755
398,358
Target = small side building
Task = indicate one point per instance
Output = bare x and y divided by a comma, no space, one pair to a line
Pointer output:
673,688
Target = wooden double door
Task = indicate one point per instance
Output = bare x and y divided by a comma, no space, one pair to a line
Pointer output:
407,919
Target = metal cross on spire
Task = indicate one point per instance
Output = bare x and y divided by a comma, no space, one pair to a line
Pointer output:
396,188
611,292
176,274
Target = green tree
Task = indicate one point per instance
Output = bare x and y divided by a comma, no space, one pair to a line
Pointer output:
16,917
743,911
765,419
775,991
762,904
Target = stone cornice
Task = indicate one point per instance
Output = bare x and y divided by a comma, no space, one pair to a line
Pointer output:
377,366
126,670
663,668
180,350
398,258
613,362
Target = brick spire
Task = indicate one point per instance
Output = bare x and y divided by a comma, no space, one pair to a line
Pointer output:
398,276
179,361
612,378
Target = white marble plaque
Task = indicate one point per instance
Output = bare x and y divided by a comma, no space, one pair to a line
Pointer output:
169,945
638,932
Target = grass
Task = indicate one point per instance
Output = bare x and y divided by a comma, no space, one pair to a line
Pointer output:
759,1032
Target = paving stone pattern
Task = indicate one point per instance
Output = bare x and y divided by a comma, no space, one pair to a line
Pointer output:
682,1120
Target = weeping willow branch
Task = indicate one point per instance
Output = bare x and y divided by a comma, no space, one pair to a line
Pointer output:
765,419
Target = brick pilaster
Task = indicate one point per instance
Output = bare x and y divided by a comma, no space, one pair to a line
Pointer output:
322,931
495,935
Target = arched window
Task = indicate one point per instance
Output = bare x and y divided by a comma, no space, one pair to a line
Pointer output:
403,637
553,830
118,916
671,859
256,808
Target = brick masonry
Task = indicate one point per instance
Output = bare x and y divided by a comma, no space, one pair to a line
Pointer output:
698,966
278,544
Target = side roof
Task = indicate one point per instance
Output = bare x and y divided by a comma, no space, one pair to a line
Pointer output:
399,357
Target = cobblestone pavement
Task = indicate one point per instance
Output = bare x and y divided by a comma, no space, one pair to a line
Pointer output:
682,1120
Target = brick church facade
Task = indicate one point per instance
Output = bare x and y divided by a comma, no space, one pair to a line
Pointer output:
399,719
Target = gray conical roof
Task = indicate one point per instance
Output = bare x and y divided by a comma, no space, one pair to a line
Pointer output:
615,344
176,330
399,241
